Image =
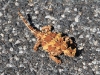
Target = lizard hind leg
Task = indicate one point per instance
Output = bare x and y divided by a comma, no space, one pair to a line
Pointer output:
37,44
54,58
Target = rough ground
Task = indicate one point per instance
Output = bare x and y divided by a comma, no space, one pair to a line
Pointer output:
78,18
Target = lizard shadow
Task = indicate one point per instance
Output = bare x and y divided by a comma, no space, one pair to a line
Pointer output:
31,23
78,52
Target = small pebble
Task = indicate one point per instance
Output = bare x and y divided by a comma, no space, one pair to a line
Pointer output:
81,57
98,32
67,10
93,69
58,26
24,47
94,61
17,42
87,36
16,4
28,10
21,52
79,69
77,18
42,55
84,67
96,67
11,49
20,47
30,4
4,51
27,35
97,72
33,39
50,8
9,21
81,36
34,17
95,42
60,70
94,29
98,49
90,64
50,17
2,34
13,29
21,65
17,73
16,58
53,22
11,39
84,63
9,65
1,14
96,14
63,16
25,61
37,25
36,12
9,16
80,48
75,9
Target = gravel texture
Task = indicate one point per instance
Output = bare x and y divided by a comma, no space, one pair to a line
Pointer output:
78,18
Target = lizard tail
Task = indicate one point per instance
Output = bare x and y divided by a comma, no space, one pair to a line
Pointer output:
33,30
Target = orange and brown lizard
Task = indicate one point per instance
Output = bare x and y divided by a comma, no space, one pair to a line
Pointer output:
52,42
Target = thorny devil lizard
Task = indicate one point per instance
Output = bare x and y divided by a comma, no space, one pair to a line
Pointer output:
52,42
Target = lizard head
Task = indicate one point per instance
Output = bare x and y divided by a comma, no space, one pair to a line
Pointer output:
70,47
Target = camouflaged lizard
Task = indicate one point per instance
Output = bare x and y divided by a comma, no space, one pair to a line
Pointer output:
52,42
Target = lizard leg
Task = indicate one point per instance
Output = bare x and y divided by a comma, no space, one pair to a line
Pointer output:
37,44
46,28
58,61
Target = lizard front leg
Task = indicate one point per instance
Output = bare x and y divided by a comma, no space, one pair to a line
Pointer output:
37,44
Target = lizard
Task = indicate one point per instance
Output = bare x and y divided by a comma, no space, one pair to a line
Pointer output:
52,42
